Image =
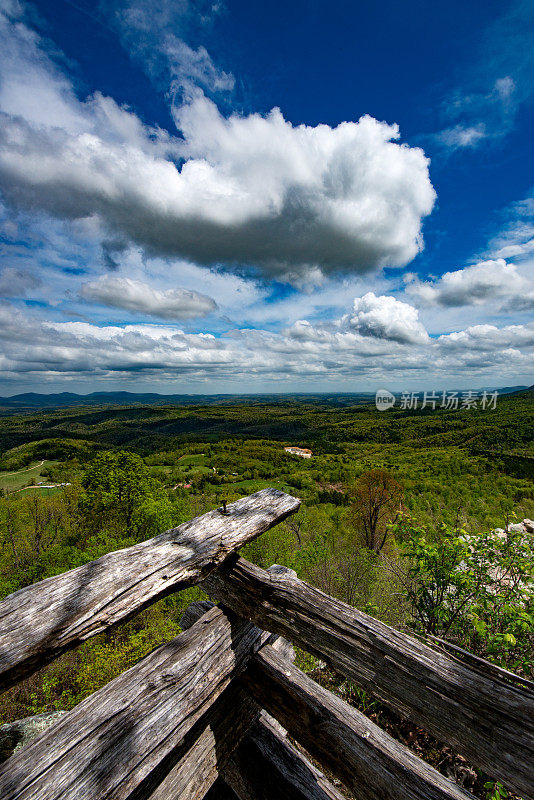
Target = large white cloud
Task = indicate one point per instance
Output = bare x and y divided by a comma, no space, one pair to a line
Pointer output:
494,286
490,337
252,190
472,285
384,317
131,295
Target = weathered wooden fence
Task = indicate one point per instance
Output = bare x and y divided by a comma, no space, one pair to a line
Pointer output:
206,715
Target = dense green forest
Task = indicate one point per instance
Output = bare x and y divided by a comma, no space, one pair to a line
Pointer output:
397,514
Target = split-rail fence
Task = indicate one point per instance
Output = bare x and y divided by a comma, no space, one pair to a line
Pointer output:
212,712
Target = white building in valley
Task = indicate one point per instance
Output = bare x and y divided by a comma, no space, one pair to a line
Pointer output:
303,452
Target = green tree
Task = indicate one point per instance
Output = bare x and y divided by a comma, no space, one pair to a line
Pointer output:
120,493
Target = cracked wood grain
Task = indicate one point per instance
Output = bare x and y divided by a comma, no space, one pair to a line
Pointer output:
368,760
41,621
478,712
122,741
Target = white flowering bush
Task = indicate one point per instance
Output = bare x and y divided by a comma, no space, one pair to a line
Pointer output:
474,590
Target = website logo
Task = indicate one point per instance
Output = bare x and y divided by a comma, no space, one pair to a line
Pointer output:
384,400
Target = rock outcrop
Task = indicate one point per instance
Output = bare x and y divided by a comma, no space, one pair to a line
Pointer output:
14,735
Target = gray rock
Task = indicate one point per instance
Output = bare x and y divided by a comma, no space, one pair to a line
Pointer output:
14,735
517,527
284,572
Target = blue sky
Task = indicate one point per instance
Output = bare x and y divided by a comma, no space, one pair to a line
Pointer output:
242,197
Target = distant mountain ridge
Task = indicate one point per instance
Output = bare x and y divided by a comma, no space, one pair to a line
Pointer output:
35,400
522,390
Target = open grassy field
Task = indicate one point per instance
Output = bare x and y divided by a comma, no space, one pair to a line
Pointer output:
42,491
18,479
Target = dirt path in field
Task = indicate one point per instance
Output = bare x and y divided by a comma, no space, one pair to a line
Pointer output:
40,486
27,469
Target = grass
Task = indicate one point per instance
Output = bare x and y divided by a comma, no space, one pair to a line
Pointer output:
194,460
44,492
18,479
187,467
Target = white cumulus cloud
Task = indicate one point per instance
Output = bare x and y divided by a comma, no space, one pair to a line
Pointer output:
245,190
384,317
36,353
488,282
137,296
490,337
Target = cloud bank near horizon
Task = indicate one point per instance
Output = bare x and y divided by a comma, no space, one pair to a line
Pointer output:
363,344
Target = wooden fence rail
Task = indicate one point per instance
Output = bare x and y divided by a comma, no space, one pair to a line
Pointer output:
41,621
368,760
485,718
189,720
265,766
151,730
116,744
